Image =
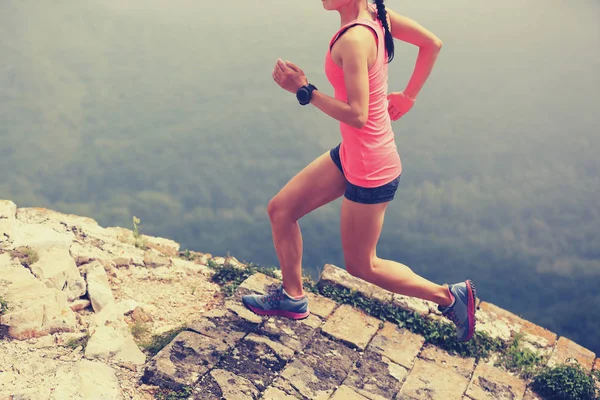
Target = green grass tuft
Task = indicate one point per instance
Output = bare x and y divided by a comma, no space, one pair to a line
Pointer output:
159,342
75,343
523,361
170,394
565,382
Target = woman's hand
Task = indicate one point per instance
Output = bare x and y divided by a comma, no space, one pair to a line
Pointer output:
289,76
399,104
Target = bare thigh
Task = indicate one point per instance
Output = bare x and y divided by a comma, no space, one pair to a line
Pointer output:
319,183
361,226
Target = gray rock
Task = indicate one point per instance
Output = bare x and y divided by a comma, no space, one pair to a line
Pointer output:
99,290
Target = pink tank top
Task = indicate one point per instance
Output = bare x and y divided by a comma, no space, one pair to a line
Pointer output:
369,155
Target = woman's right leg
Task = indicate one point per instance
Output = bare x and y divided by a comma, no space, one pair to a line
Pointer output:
319,183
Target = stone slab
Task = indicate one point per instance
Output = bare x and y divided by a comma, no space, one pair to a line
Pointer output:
567,350
258,360
398,344
290,333
462,365
414,304
430,381
335,276
220,384
273,393
256,284
184,361
492,383
319,305
497,321
320,368
376,377
351,326
221,323
346,393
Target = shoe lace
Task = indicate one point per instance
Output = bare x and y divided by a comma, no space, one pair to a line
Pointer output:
275,296
451,315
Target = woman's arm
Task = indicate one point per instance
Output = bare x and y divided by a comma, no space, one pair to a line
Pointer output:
410,31
354,46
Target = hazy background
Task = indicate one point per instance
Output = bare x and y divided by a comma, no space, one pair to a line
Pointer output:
167,110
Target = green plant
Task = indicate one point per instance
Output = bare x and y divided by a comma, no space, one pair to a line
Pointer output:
159,342
188,255
82,341
26,256
170,394
139,240
229,277
138,330
565,382
523,361
3,305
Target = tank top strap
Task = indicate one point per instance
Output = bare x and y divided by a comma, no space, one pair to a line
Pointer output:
375,25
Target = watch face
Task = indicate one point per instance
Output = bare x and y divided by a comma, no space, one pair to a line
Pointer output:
303,94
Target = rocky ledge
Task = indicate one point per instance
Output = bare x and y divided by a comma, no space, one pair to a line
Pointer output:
80,302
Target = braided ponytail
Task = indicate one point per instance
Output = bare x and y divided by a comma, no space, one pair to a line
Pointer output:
389,39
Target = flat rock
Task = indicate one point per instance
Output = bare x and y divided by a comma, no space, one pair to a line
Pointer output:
256,284
35,310
376,377
320,306
291,333
184,361
497,322
111,338
155,259
492,383
338,277
89,380
283,352
220,384
566,350
320,368
429,381
99,290
273,393
414,304
398,344
223,324
352,326
256,360
346,393
461,365
39,236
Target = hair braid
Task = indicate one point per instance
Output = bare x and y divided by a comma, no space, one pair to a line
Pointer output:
389,39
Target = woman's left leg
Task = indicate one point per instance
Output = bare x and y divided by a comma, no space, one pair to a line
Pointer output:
361,226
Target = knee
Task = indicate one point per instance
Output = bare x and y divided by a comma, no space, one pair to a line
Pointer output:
360,268
276,210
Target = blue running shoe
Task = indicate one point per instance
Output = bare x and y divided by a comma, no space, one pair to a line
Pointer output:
277,302
462,313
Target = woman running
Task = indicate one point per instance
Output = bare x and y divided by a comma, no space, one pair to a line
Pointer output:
365,167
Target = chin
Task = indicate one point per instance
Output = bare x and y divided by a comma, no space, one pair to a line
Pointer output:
327,5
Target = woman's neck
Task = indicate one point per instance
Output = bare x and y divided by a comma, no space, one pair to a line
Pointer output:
354,11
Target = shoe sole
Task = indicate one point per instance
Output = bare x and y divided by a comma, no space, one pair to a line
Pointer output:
471,308
279,313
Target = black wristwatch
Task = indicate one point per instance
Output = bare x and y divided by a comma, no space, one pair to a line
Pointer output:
304,94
